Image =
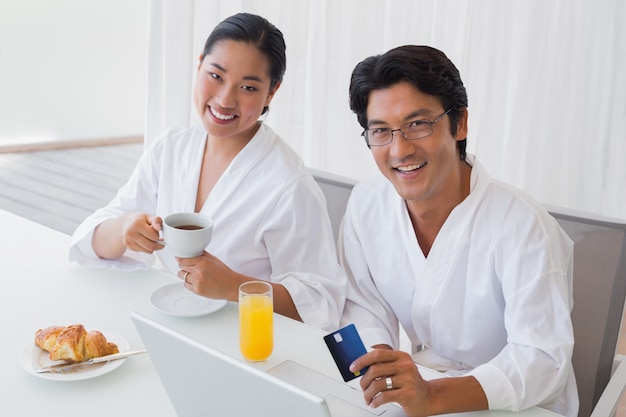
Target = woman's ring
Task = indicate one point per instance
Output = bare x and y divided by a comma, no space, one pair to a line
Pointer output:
389,383
185,277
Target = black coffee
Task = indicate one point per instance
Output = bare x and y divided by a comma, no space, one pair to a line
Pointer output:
188,227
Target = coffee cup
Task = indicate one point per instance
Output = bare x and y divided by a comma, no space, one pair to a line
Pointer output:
187,234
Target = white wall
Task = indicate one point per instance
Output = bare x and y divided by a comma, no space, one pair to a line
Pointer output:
545,80
72,69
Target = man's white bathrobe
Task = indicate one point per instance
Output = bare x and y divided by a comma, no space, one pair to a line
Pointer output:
270,217
492,299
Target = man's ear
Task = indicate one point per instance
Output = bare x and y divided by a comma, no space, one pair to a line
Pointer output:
461,127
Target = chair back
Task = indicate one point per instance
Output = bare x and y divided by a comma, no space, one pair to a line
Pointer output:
599,294
337,190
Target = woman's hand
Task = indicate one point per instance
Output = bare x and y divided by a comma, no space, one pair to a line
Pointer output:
135,231
210,277
140,232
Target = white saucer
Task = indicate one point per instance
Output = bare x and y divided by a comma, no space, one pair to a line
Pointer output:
176,300
33,358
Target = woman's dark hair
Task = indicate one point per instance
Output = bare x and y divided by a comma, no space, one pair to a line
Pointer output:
256,30
428,69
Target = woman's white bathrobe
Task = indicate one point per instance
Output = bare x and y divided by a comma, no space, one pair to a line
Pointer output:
270,217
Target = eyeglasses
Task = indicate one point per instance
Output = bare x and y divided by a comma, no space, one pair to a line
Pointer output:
417,129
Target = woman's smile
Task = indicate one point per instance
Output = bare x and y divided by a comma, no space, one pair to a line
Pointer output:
221,116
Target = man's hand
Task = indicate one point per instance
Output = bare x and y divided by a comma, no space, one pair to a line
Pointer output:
393,377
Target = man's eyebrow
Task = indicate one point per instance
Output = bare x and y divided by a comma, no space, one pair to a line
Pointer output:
246,77
252,78
371,122
409,117
417,113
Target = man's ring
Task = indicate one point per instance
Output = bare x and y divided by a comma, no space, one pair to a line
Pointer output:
185,277
389,383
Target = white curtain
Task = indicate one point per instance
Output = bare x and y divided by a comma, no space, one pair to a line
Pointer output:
546,81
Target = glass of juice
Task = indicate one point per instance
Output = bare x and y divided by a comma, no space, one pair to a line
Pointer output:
256,328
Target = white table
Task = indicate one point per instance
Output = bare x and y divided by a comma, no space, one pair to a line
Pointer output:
40,288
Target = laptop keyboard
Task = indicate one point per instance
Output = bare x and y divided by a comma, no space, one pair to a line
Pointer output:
342,399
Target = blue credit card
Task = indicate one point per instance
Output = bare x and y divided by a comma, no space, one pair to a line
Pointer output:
345,346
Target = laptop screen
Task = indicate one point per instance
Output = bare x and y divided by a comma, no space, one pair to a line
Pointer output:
201,381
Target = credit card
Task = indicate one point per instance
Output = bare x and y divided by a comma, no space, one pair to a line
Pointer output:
345,346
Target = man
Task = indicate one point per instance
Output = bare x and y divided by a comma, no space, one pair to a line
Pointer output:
474,270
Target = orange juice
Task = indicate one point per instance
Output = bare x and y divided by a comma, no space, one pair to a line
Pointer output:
256,334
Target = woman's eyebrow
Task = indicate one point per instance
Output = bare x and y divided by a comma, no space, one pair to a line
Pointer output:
218,66
246,77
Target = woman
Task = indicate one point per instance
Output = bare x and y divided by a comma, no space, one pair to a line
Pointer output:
270,217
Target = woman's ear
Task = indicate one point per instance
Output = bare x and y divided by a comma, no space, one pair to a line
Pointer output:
271,93
200,59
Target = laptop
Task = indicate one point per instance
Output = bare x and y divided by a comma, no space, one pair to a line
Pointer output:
202,381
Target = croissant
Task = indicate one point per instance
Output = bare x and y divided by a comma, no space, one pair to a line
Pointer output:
47,338
73,343
96,345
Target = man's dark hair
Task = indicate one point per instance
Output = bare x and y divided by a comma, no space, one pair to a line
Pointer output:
427,68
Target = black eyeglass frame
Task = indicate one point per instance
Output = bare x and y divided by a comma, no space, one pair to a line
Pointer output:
392,131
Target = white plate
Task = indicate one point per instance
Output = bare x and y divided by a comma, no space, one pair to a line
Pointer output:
33,358
176,300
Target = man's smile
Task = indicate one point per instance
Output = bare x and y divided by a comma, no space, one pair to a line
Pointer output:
410,168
